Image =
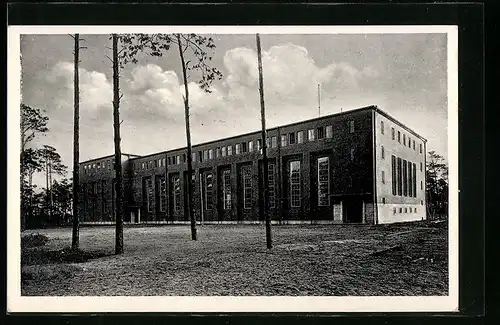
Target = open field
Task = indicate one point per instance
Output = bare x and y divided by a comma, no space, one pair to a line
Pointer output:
233,260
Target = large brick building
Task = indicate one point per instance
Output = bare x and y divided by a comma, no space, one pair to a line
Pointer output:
359,166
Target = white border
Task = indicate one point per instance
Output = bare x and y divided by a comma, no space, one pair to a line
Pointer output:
16,303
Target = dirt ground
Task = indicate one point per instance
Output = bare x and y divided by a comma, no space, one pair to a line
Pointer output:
232,260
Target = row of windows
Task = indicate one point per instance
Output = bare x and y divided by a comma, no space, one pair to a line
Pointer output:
404,210
89,168
404,177
95,197
248,146
406,140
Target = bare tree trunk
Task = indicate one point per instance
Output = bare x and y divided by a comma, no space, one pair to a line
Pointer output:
30,180
265,166
51,208
189,149
75,242
118,163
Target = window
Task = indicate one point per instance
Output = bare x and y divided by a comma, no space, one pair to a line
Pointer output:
420,148
295,193
205,155
200,156
411,209
383,153
223,151
394,210
217,152
163,194
383,177
393,133
237,148
410,179
268,142
382,127
414,169
405,178
399,137
163,161
404,139
226,189
250,146
210,153
229,150
421,185
244,147
283,140
415,210
406,210
291,138
421,202
176,191
274,142
247,187
352,154
320,132
409,143
178,159
271,186
93,166
143,165
421,166
208,191
150,165
400,210
148,187
413,144
329,131
98,165
310,135
400,177
351,126
183,157
383,200
259,145
193,157
394,184
323,181
300,137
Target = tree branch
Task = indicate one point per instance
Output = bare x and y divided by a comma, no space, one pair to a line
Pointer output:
109,58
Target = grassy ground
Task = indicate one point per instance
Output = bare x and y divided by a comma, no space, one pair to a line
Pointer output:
233,260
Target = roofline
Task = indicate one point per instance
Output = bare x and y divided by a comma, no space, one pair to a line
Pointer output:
258,132
108,156
389,117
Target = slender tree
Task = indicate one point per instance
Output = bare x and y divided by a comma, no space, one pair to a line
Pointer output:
194,57
118,163
436,184
75,242
53,166
265,166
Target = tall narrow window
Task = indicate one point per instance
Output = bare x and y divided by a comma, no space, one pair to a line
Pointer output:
383,177
200,156
295,192
382,153
382,127
223,151
300,137
176,191
329,131
400,177
351,126
323,181
226,189
193,157
178,159
283,140
268,142
247,187
208,191
271,186
421,166
413,144
163,194
320,132
394,175
409,142
405,178
404,139
274,142
217,152
399,137
414,180
250,146
237,148
104,202
149,194
420,148
210,153
421,185
244,147
393,133
310,135
183,157
410,179
163,161
291,138
352,154
205,155
229,150
259,145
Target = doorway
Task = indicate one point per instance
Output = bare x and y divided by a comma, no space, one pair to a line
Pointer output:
353,210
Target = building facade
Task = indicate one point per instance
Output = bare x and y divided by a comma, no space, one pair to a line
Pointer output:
359,166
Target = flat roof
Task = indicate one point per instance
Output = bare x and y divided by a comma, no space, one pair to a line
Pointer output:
371,107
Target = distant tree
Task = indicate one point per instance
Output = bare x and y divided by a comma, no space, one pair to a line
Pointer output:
62,192
30,164
33,122
53,166
437,185
194,57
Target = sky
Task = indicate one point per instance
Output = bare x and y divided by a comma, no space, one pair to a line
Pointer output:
403,74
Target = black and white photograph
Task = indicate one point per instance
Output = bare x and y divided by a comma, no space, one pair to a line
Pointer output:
204,168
